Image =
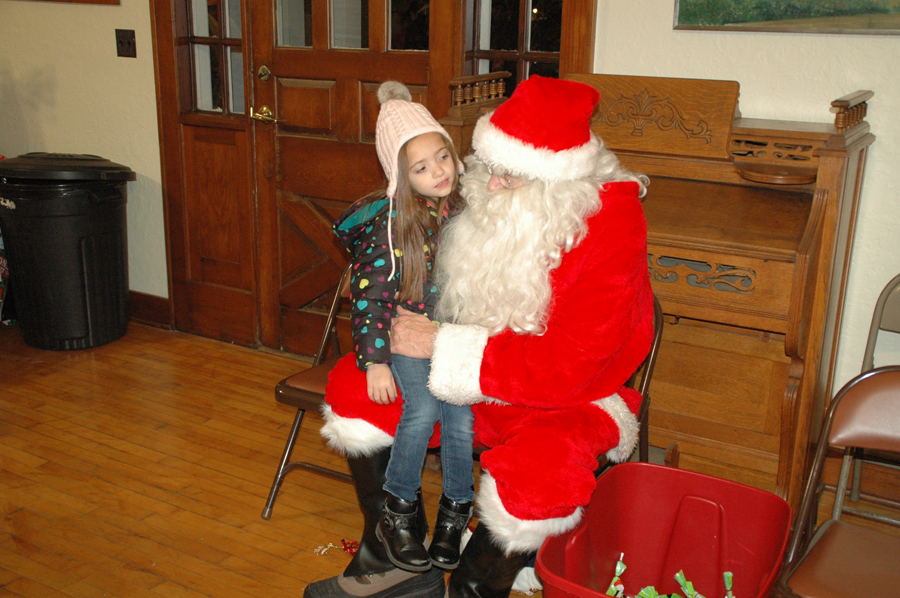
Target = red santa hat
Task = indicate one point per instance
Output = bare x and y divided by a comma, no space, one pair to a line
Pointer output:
543,131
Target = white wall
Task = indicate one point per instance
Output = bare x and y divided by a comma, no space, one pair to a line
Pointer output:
791,77
63,89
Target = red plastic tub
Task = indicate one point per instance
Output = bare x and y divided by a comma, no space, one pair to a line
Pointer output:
666,520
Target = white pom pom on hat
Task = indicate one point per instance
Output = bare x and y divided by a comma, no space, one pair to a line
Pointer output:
393,90
399,120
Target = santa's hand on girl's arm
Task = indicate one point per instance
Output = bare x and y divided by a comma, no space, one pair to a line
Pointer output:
412,335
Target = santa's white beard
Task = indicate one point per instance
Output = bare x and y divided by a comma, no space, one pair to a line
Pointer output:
495,257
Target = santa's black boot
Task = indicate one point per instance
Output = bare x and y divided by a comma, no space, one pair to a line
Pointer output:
452,519
371,574
485,570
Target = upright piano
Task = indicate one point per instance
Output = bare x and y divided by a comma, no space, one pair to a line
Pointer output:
750,230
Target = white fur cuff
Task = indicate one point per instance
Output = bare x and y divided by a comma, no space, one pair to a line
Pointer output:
628,427
456,363
352,436
512,534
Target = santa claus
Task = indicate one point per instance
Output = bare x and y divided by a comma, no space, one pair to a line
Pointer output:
547,299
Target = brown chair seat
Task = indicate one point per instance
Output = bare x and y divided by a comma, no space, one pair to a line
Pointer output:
305,389
847,561
849,558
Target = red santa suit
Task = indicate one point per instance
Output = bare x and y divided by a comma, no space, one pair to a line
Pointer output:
546,404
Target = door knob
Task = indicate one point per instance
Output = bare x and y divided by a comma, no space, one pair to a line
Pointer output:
264,115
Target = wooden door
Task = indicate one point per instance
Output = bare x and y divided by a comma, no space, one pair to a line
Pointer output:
248,202
207,173
317,67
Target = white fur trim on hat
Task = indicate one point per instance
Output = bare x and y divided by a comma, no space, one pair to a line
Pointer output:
512,534
499,149
352,436
456,363
628,425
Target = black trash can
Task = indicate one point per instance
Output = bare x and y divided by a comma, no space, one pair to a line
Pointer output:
63,222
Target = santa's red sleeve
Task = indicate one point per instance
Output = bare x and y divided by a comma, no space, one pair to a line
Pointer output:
599,327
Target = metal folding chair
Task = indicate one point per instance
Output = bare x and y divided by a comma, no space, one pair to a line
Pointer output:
305,390
846,558
886,317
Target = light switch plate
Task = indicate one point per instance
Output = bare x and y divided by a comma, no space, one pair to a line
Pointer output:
125,45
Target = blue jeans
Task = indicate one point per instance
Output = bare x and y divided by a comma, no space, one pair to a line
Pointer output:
421,410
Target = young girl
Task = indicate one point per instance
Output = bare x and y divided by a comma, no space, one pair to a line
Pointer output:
392,235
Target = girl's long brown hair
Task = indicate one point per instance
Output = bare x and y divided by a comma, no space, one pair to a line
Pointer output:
412,222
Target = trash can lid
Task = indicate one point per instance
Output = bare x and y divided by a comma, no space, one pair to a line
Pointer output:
66,167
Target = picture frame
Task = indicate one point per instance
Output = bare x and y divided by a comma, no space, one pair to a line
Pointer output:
858,17
107,2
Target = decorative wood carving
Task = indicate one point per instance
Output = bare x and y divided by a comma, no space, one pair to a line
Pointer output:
711,276
475,89
690,118
850,110
762,148
645,108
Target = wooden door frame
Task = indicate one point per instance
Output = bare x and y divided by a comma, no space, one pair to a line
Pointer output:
163,34
172,59
170,50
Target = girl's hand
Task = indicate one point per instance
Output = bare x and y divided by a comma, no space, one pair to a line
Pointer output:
412,335
380,384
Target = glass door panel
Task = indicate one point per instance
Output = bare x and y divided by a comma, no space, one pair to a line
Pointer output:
294,23
350,24
233,19
545,25
503,32
207,77
519,36
236,79
205,19
409,24
217,77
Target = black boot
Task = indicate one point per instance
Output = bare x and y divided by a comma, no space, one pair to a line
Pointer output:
452,518
484,570
368,479
370,573
401,535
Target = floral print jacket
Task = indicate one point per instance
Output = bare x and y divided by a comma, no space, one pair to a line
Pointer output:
363,230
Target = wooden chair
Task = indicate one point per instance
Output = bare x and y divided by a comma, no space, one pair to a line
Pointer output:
640,380
645,373
305,390
885,317
844,559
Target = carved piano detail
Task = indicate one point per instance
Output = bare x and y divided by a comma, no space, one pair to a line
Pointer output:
750,226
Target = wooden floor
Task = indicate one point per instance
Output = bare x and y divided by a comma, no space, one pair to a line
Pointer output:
140,469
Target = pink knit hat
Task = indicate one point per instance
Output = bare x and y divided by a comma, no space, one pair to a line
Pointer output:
399,120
